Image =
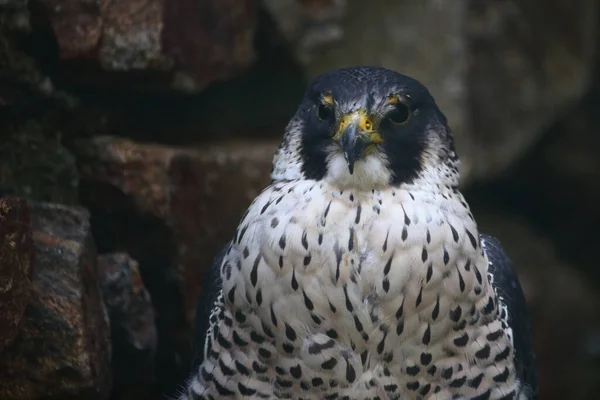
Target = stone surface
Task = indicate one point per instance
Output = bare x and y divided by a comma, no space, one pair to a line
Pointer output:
308,25
35,165
133,333
63,348
564,306
189,43
501,71
171,209
524,73
16,260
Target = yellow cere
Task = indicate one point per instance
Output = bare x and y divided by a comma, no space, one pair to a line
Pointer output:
364,122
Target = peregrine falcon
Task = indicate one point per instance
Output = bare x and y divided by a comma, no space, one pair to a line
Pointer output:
359,273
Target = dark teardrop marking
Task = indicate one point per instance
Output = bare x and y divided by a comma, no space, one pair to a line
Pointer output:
489,307
307,302
290,332
296,371
262,211
282,242
484,353
427,335
436,309
454,233
478,275
426,358
429,272
472,239
294,281
350,372
304,240
461,341
329,364
406,219
385,243
461,281
307,259
386,285
273,317
419,298
254,272
458,382
388,266
413,370
231,294
456,314
475,382
502,377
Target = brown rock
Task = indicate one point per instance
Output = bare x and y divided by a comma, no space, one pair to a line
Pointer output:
530,61
16,259
133,332
77,25
209,39
190,43
172,210
63,348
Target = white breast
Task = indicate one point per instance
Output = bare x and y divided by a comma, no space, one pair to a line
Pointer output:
387,274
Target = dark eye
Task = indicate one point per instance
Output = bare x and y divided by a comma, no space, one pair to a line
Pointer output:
400,114
324,113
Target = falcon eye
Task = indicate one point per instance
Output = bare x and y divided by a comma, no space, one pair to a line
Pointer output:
400,114
324,113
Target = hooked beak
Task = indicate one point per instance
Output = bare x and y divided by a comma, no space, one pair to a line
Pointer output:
353,143
355,136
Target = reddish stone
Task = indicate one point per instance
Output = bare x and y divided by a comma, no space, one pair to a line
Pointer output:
134,336
63,348
190,42
172,210
77,25
16,260
210,39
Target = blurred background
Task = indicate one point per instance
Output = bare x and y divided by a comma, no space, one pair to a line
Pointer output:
134,133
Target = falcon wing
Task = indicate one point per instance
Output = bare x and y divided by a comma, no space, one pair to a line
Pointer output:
208,306
506,284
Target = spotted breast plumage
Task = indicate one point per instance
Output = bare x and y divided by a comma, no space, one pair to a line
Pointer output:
359,273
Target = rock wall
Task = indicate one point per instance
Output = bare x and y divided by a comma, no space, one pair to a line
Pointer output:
135,133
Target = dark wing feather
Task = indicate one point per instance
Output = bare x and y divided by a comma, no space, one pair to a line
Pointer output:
506,283
206,303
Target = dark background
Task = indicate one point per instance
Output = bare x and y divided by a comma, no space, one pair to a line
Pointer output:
148,126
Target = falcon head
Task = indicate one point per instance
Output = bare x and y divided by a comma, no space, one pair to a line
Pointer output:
367,127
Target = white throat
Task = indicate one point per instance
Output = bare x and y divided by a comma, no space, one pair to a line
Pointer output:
370,172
